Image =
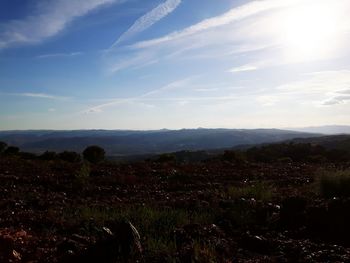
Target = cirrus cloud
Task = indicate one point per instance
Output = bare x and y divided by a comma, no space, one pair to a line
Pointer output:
50,18
149,19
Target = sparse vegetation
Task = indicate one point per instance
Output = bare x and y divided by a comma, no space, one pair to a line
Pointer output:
157,225
297,152
82,176
334,183
204,252
210,211
257,190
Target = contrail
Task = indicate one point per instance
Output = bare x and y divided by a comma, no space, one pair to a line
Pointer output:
149,19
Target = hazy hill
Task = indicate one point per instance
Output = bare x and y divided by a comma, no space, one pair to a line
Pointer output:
123,142
327,129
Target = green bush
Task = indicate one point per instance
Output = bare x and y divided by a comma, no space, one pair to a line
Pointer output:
94,154
335,184
67,156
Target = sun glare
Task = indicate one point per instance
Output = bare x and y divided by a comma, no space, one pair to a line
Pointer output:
311,30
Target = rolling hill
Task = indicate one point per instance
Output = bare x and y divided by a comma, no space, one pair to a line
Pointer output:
124,142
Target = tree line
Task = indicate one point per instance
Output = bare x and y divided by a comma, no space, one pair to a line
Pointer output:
92,154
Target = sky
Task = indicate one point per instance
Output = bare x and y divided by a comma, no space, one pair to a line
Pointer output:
136,64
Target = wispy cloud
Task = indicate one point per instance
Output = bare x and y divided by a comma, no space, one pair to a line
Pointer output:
50,18
267,100
319,82
257,65
139,60
164,94
144,97
346,91
206,89
231,16
338,97
256,29
325,88
336,100
37,95
141,101
72,54
243,68
205,36
149,19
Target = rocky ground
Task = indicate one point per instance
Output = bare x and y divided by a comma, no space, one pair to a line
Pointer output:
213,211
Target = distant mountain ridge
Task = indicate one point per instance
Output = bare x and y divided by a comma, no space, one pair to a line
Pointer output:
129,142
326,129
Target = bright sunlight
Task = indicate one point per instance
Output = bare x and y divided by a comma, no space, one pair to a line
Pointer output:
311,30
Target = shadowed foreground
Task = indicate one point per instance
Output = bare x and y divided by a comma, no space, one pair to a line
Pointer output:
219,210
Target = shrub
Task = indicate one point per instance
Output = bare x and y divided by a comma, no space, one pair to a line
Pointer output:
48,156
28,156
338,155
94,154
234,156
335,184
3,147
11,150
298,152
72,157
166,157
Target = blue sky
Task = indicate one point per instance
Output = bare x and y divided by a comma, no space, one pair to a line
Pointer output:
135,64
